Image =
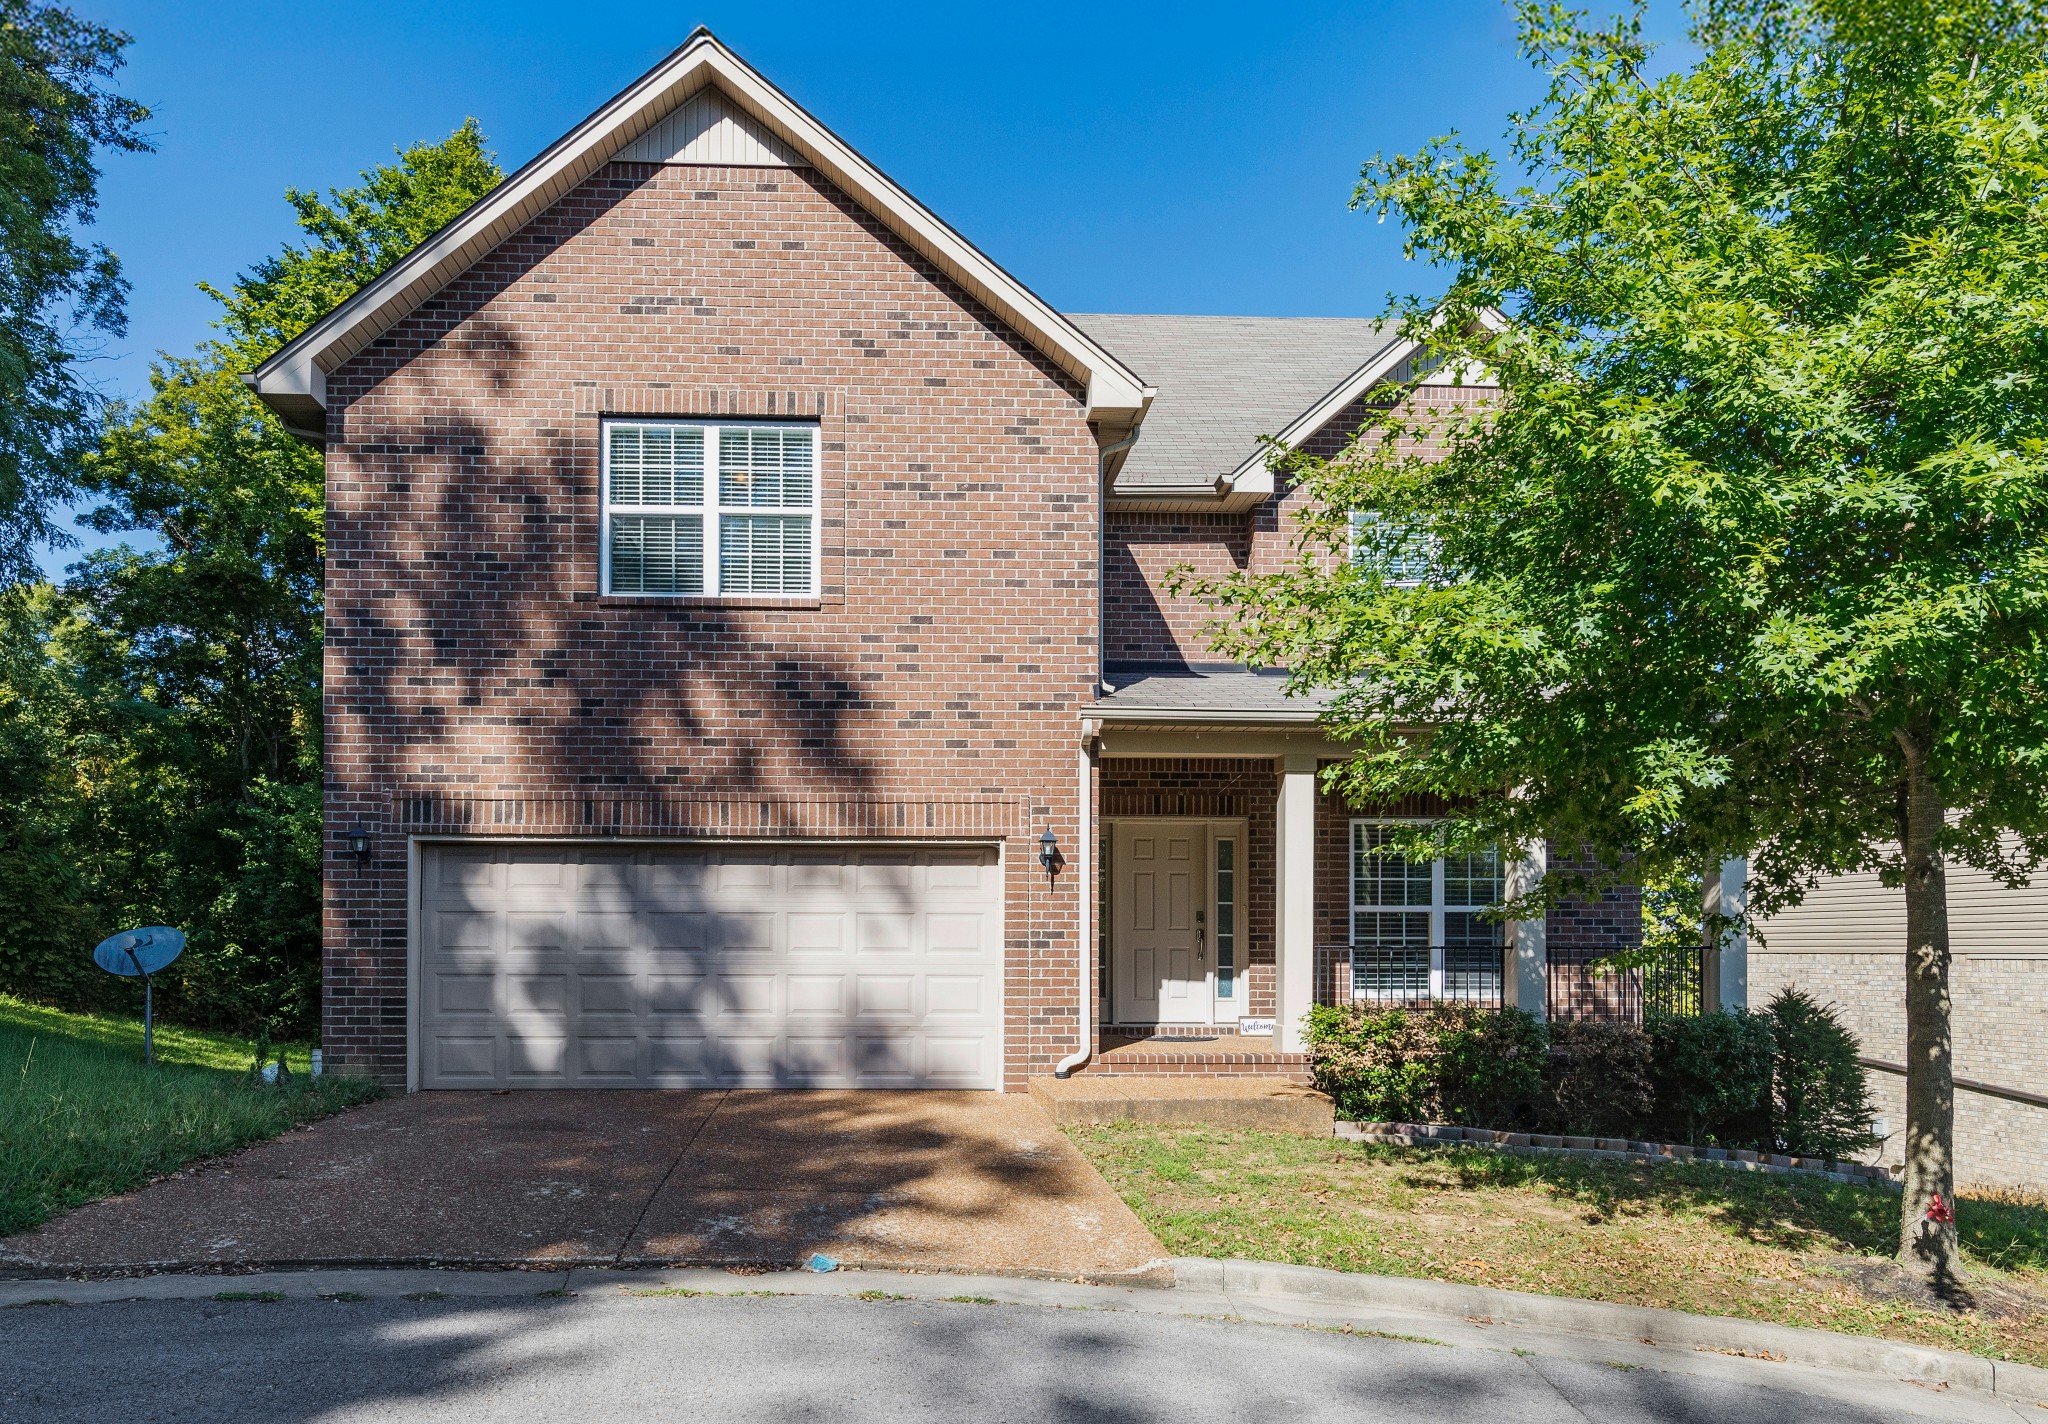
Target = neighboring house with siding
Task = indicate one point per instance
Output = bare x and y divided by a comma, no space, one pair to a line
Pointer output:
1845,945
740,588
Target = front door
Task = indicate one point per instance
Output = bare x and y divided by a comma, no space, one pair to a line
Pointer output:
1160,931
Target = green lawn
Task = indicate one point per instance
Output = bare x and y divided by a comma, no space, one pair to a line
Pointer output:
80,1117
1679,1237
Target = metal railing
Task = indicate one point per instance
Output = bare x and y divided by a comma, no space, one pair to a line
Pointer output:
1410,975
1581,985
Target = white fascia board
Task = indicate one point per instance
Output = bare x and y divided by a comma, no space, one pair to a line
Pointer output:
1323,412
1112,387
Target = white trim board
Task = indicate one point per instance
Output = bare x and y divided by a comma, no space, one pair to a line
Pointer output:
293,381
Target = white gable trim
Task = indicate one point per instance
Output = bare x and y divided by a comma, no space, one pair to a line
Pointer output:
293,381
1255,477
706,129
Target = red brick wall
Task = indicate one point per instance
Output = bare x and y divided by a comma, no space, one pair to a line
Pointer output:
1142,623
473,670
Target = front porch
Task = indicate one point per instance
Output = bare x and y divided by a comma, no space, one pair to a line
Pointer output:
1234,893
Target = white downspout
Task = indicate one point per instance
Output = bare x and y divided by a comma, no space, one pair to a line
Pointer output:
1086,1048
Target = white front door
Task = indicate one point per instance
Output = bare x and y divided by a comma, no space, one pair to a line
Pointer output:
1160,897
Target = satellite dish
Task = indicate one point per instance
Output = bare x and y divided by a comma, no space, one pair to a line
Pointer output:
138,953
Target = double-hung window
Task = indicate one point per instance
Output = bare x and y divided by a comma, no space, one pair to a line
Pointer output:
704,509
1402,555
1418,927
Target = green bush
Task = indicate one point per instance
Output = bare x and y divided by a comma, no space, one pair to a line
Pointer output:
1374,1063
1712,1076
1820,1101
1598,1080
1451,1063
1488,1063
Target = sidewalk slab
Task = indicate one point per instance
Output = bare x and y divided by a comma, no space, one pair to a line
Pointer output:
1270,1104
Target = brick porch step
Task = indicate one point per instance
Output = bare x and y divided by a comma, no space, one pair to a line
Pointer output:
1256,1102
1224,1055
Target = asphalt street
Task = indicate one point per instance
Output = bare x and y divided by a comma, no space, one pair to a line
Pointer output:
606,1355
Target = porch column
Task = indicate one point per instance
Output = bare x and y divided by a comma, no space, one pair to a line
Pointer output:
1724,958
1294,958
1528,945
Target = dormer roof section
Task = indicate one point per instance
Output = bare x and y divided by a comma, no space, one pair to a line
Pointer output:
702,104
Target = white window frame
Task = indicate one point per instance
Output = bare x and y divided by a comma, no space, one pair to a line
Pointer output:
712,509
1361,519
1437,909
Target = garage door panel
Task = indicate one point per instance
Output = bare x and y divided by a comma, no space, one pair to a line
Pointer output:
956,933
677,995
882,934
543,994
817,932
955,996
791,965
747,934
817,995
607,994
536,1055
748,996
607,1058
686,933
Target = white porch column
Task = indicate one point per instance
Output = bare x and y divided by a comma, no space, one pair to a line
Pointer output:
1528,946
1724,962
1294,960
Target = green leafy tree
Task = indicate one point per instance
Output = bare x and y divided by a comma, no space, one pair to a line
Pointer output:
58,295
1747,555
187,672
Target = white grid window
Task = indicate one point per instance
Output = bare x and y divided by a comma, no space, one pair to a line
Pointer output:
697,509
1417,926
1401,555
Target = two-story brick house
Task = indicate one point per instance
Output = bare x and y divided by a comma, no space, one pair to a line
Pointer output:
748,660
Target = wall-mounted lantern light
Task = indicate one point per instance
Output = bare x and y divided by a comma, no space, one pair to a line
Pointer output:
359,842
1049,854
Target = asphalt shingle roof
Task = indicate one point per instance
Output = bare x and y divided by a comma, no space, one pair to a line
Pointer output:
1224,381
1203,688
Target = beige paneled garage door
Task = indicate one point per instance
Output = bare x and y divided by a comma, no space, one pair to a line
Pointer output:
819,965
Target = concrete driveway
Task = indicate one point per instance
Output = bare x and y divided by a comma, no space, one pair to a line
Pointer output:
978,1181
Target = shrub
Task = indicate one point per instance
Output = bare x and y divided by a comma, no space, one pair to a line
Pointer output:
1449,1063
1489,1063
1598,1079
1713,1078
1374,1063
1820,1101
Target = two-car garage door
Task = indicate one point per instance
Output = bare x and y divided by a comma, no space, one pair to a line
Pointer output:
820,965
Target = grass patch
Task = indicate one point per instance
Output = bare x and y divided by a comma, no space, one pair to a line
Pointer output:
81,1118
971,1299
262,1297
1683,1236
878,1295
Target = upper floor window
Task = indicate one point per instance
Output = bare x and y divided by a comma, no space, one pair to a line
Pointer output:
1401,554
697,508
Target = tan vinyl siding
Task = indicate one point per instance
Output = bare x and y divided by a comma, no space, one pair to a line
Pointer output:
1854,914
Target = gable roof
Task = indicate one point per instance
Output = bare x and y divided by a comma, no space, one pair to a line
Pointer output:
293,381
1225,381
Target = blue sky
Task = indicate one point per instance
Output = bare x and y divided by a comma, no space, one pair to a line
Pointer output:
1116,157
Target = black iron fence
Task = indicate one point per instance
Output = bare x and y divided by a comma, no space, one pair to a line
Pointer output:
1410,975
1580,985
1585,985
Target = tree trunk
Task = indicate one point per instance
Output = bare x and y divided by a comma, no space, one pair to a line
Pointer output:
1927,1242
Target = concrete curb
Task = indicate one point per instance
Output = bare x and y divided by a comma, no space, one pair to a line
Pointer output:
1267,1280
1155,1274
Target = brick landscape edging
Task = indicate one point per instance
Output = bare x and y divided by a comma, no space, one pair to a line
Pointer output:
1410,1134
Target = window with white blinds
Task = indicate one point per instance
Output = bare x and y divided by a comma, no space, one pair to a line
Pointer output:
698,509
